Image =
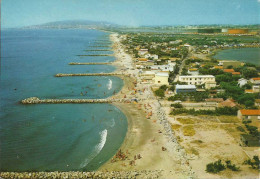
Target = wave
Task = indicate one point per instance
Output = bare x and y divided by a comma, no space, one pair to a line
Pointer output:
109,85
97,149
112,124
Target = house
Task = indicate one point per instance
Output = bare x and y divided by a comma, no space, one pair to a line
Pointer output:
257,102
213,101
250,140
162,67
208,80
218,100
229,70
142,60
161,78
236,73
147,76
193,71
210,84
248,114
218,67
249,91
242,82
227,103
142,51
185,88
155,57
255,80
256,88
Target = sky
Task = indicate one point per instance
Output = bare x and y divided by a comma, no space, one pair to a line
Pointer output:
19,13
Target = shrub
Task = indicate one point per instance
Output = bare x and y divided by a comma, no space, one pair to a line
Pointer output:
177,105
160,93
231,166
241,129
215,167
255,164
163,87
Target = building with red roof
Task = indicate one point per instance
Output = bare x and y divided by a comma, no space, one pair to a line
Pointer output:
248,114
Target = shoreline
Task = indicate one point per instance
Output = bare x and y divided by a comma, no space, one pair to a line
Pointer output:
146,136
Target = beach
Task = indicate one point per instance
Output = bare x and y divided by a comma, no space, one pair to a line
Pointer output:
149,143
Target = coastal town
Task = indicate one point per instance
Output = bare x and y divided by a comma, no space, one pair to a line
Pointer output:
189,115
211,105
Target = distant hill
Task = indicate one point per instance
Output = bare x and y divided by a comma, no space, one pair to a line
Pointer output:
78,24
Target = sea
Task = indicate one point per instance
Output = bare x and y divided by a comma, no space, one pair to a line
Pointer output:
249,55
57,137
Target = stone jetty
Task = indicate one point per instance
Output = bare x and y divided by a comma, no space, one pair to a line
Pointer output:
77,174
101,63
98,50
100,46
95,55
88,74
36,100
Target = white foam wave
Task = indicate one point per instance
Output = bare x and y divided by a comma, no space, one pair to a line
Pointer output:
109,85
97,149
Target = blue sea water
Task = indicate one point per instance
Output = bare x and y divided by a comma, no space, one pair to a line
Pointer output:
63,137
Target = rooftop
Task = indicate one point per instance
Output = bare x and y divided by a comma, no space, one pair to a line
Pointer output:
162,74
198,76
229,70
185,86
250,112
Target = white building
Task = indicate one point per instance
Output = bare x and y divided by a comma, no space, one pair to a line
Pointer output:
155,57
242,82
163,67
142,51
208,80
161,78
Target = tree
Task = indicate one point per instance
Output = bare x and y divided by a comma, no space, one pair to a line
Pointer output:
163,87
160,93
215,167
249,73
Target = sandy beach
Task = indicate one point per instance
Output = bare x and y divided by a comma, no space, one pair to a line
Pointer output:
149,143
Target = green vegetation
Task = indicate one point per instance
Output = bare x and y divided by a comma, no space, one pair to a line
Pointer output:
231,166
215,167
218,166
192,96
177,105
254,163
218,111
161,91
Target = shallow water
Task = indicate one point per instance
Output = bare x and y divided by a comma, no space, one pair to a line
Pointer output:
62,137
250,55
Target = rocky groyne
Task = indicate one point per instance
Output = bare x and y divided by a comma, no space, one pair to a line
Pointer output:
88,74
96,55
77,175
101,63
36,100
98,50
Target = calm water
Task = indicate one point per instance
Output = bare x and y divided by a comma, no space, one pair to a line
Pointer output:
250,55
56,136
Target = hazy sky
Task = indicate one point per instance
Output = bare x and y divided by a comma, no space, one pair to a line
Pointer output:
17,13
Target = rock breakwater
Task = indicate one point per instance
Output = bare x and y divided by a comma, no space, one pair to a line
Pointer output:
77,175
101,63
88,74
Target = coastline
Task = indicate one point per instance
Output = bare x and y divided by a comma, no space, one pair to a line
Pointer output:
146,136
